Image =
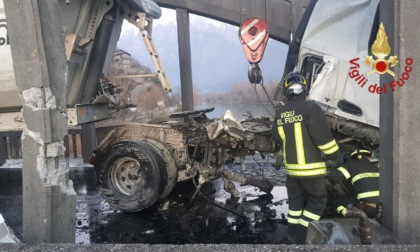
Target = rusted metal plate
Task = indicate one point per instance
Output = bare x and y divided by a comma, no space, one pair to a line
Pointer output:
91,113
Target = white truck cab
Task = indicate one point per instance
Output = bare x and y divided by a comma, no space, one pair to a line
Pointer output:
9,97
329,49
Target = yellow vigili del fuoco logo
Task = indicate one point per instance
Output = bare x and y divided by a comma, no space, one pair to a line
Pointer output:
381,50
380,63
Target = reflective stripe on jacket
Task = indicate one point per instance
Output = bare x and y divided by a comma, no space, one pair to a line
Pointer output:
364,177
303,129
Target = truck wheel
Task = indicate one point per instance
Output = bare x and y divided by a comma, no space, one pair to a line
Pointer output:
134,175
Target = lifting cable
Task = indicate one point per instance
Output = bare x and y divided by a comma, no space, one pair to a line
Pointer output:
254,85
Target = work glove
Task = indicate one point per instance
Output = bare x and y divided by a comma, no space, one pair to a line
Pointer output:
332,163
279,159
344,157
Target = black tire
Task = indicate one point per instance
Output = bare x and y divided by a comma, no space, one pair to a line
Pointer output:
133,175
171,172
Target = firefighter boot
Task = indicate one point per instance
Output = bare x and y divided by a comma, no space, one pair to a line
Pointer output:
301,234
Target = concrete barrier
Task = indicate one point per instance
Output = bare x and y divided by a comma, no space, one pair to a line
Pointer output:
201,247
6,234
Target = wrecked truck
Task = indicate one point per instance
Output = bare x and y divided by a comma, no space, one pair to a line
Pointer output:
152,157
188,143
138,164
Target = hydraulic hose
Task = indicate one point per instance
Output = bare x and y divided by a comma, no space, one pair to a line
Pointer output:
365,230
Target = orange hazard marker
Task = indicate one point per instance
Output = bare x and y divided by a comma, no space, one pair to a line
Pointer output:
253,35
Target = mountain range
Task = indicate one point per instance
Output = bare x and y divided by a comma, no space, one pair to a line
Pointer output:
218,60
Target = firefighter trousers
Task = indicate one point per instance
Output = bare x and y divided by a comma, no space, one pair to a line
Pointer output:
307,201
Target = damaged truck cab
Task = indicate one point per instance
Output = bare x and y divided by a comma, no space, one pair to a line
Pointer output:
336,47
330,36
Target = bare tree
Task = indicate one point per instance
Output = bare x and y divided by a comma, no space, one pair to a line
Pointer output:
198,99
244,93
174,98
149,99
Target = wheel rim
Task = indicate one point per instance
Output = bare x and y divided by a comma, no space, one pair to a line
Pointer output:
126,175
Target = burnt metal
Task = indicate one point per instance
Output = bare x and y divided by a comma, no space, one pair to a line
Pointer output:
188,146
87,113
358,131
262,184
194,113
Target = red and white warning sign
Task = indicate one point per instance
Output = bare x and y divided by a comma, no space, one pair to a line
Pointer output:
253,35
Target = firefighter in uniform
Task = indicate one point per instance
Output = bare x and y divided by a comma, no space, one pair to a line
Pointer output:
364,177
302,128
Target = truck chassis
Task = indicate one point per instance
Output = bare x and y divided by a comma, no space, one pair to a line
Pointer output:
138,164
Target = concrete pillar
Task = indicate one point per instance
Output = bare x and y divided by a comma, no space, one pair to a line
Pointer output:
49,200
184,49
400,121
386,132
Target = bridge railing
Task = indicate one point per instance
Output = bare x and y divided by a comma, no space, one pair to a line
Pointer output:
11,145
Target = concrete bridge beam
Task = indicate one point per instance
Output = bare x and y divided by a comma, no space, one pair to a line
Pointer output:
282,16
400,121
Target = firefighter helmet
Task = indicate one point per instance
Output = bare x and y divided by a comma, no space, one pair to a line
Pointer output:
294,83
358,152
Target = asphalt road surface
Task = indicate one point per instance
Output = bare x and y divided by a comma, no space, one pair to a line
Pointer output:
253,218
